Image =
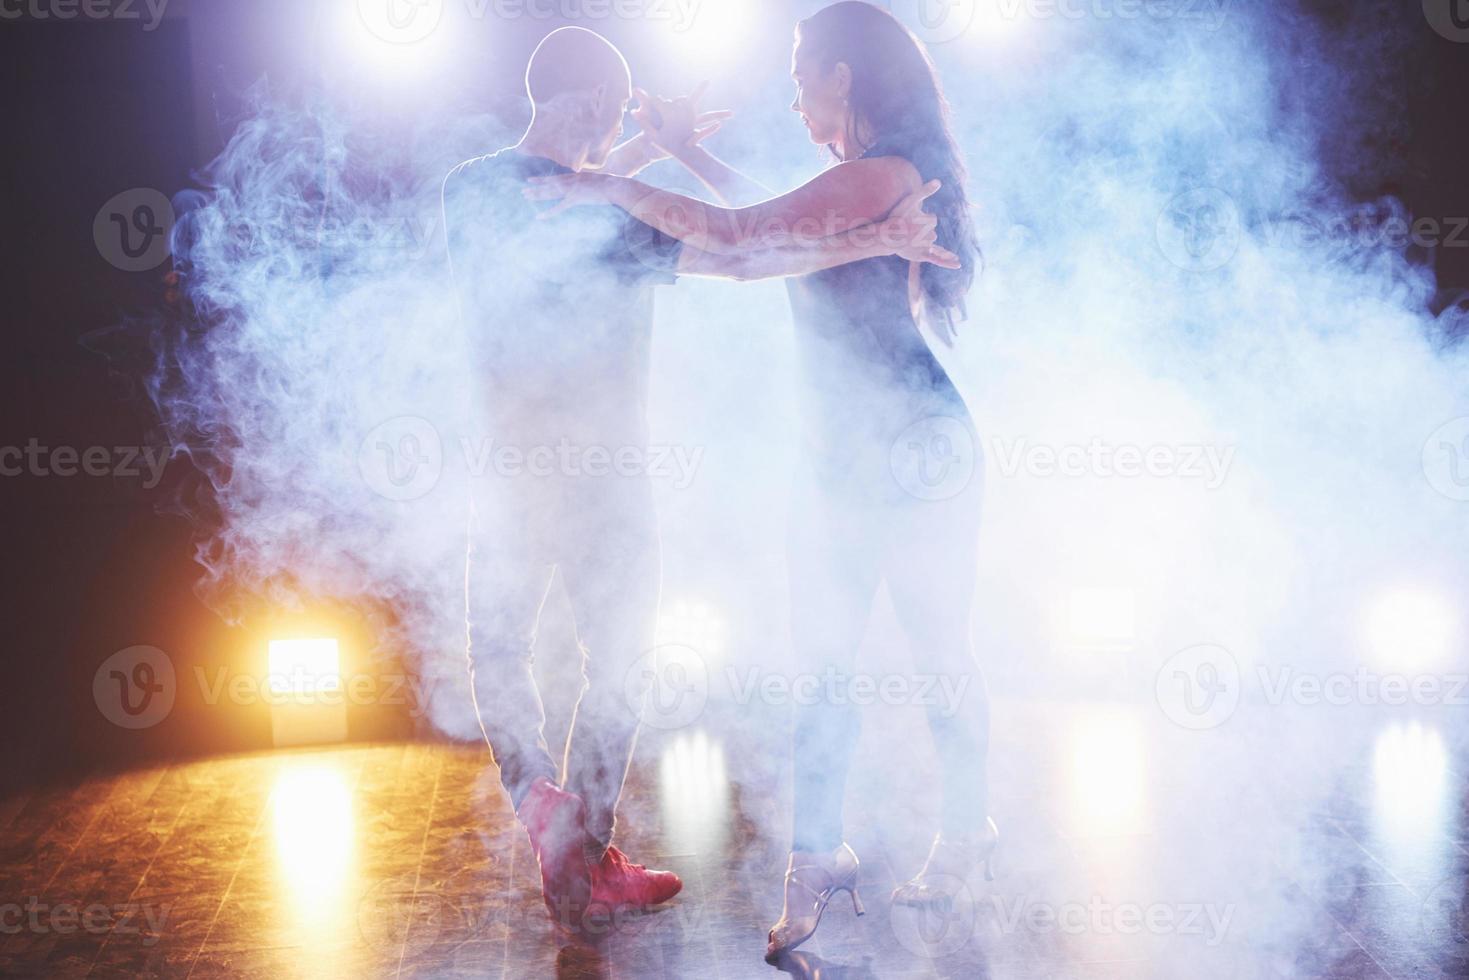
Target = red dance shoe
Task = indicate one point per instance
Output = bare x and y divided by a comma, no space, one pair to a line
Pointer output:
617,883
555,820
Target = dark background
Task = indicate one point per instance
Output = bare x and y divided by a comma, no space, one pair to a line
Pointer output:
90,564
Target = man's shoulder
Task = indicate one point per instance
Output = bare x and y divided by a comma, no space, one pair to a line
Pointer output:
476,170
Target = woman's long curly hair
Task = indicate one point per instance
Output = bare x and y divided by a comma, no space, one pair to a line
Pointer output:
899,109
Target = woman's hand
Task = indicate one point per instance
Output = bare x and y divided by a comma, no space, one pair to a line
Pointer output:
569,190
912,233
672,125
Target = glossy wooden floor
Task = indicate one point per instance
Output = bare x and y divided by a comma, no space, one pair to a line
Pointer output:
1309,849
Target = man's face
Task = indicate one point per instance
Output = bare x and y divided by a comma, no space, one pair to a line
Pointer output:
608,110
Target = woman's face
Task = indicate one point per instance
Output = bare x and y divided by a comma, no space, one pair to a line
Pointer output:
820,96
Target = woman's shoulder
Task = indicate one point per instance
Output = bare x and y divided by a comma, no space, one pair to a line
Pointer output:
896,174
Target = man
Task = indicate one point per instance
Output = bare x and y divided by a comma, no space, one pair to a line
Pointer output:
560,315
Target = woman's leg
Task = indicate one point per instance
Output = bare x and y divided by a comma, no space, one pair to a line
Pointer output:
930,567
832,558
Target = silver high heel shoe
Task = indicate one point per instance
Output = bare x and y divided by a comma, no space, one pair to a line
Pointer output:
949,865
811,881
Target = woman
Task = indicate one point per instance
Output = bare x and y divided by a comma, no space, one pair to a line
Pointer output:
874,396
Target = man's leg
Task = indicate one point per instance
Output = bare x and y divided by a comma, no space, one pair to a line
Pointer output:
613,577
505,587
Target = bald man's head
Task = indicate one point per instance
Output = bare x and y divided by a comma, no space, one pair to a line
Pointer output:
578,76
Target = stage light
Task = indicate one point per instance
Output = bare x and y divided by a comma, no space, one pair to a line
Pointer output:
393,36
1101,618
305,666
711,31
997,19
1410,630
307,703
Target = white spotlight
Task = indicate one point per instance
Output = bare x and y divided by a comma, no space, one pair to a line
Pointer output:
694,624
394,35
1410,629
1102,618
708,32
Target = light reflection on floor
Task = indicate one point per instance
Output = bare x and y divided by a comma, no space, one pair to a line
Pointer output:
694,792
312,828
1106,780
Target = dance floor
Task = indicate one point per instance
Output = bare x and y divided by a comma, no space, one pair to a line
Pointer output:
1282,844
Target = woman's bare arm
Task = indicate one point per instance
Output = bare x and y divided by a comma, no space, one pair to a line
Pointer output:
907,231
844,197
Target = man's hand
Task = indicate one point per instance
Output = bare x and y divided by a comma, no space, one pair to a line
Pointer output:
673,125
912,233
